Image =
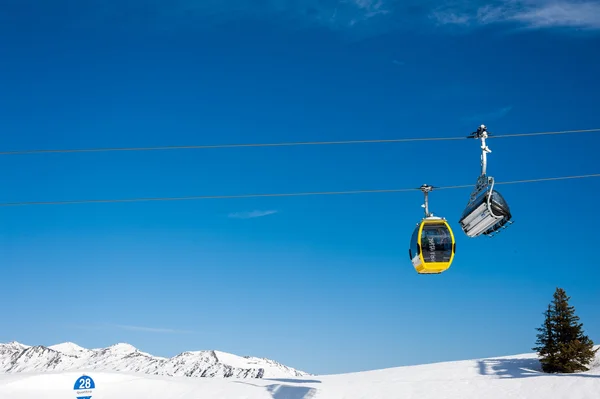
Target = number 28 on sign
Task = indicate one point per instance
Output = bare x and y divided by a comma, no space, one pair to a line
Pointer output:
84,386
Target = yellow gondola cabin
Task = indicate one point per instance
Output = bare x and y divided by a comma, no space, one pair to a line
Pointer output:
432,245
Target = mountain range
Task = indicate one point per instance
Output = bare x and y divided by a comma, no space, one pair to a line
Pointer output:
16,357
516,377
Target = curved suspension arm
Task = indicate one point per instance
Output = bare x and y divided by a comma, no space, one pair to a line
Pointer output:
426,189
482,181
483,134
489,200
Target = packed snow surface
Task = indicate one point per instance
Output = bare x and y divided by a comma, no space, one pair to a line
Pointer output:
491,378
19,358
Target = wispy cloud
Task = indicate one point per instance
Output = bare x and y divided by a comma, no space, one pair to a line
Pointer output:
354,15
488,116
339,14
251,215
104,326
562,14
333,14
529,14
352,19
371,8
151,329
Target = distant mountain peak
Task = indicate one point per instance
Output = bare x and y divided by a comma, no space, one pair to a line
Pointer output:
15,344
123,347
67,345
16,357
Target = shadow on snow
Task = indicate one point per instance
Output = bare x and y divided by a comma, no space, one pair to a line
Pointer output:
518,368
293,380
281,391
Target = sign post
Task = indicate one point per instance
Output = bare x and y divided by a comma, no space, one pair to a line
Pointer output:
84,387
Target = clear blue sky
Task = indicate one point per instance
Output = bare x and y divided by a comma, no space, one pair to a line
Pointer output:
324,284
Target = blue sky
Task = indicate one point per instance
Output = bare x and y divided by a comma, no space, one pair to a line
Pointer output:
320,283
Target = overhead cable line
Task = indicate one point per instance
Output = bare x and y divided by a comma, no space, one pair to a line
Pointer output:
288,144
297,194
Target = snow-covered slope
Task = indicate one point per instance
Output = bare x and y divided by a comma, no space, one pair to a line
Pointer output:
69,348
16,358
516,377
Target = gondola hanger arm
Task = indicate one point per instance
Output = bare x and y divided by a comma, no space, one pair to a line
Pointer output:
426,190
481,133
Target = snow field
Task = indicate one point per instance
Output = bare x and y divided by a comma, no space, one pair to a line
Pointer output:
491,378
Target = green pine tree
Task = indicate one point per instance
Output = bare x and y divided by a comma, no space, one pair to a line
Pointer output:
546,341
561,344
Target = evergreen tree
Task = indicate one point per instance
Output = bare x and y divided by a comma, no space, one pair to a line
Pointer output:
546,341
561,344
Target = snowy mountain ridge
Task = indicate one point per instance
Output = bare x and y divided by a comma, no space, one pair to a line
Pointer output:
499,377
16,357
